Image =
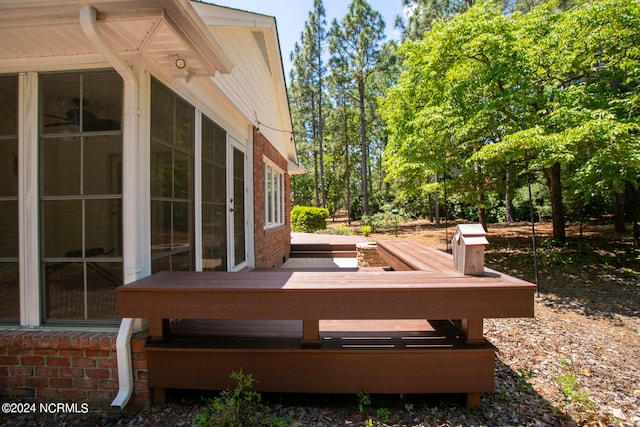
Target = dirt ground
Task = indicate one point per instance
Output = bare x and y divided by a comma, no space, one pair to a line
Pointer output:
575,363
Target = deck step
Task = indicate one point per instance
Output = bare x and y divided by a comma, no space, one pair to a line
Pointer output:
323,250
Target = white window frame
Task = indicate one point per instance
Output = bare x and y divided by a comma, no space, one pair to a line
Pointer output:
273,195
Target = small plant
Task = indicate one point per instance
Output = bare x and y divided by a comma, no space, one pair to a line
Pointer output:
571,393
384,414
364,400
366,230
525,374
238,407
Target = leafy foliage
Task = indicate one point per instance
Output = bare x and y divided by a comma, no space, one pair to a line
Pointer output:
307,219
486,95
238,407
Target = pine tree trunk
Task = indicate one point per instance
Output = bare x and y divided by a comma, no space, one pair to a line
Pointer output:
363,151
436,208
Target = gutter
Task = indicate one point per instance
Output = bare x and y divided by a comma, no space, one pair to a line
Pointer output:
130,132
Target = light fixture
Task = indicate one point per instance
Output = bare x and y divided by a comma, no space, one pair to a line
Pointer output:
180,63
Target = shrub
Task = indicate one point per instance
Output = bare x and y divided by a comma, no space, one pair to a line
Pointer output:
239,407
307,219
366,230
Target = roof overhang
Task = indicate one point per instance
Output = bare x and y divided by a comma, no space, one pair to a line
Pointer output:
36,30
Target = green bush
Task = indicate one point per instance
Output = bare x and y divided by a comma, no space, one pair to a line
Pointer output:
308,219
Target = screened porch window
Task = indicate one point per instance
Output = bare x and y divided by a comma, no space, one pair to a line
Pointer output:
214,207
9,275
80,158
172,180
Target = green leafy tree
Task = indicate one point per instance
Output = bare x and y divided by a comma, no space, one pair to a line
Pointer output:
485,94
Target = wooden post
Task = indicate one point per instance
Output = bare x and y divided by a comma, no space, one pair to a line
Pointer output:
159,329
472,330
310,334
158,395
473,400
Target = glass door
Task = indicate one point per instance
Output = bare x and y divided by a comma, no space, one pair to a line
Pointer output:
237,204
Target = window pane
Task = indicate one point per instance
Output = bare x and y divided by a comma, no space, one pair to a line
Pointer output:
9,105
8,167
207,182
102,165
161,170
185,124
62,228
183,177
269,199
221,146
160,226
60,103
208,139
182,261
172,179
102,297
220,222
219,184
103,228
60,165
162,117
9,229
101,101
208,234
64,290
161,264
214,257
182,225
10,291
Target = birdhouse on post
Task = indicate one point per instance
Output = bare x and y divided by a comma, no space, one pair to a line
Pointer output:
468,249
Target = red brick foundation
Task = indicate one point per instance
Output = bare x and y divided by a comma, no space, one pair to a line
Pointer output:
68,366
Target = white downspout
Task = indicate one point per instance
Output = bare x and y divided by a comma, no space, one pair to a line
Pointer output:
130,135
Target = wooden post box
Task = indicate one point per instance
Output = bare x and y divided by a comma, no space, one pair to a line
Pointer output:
468,249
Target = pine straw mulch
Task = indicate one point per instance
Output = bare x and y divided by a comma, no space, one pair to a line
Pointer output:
575,363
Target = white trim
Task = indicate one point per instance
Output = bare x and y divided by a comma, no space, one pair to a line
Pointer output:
28,196
250,206
197,191
143,233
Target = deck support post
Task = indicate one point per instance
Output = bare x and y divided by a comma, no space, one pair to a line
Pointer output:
159,329
473,332
158,395
473,400
310,334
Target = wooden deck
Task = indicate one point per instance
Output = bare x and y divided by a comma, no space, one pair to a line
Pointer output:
273,324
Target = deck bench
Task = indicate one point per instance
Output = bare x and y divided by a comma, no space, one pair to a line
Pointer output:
442,358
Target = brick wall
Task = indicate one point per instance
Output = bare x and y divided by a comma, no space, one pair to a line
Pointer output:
272,246
67,366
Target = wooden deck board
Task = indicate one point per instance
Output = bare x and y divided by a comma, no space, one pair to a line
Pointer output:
405,255
279,295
